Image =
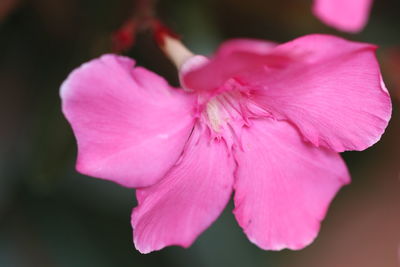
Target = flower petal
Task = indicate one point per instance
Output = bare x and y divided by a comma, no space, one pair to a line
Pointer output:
334,93
130,125
345,15
233,57
233,46
185,202
283,185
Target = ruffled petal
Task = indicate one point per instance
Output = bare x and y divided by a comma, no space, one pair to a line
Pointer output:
283,185
188,199
130,125
333,93
344,15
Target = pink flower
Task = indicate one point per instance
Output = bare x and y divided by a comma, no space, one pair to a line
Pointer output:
260,120
344,15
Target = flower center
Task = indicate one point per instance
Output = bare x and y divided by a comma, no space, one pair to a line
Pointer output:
224,109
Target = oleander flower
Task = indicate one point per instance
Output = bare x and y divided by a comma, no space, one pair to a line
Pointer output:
344,15
259,120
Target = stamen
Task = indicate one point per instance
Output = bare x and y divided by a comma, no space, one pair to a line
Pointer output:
213,114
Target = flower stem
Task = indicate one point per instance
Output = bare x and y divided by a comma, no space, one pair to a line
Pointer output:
169,42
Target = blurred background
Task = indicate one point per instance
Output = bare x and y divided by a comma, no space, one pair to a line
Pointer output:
52,216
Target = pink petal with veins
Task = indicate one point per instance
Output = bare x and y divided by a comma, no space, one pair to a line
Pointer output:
283,186
189,198
130,125
333,94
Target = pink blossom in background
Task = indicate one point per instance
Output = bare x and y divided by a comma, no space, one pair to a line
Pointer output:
260,120
344,15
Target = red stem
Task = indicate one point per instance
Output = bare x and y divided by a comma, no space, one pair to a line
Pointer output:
160,31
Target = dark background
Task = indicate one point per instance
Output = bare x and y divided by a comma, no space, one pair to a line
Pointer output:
52,216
